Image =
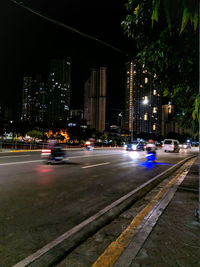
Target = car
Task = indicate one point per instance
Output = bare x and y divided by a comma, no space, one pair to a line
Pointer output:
170,145
186,145
135,145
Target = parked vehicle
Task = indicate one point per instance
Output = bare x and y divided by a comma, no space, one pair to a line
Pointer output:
171,145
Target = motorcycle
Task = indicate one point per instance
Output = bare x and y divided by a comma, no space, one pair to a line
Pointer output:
151,155
53,155
89,148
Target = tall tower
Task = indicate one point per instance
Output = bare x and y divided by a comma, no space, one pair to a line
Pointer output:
143,101
33,100
95,99
58,97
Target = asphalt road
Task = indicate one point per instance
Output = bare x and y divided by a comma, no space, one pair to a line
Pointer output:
39,202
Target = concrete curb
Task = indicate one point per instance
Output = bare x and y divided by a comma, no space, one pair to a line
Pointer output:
56,250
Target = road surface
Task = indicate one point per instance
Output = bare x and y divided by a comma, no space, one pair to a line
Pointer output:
39,202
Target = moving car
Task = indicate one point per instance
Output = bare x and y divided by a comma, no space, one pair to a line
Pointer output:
171,145
186,145
135,145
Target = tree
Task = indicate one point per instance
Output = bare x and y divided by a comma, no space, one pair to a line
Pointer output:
104,137
35,134
168,46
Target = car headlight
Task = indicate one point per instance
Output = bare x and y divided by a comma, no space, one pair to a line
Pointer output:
134,147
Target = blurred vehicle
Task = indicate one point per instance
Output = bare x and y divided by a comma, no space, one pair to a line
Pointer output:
170,145
54,155
88,146
186,145
151,150
151,156
135,145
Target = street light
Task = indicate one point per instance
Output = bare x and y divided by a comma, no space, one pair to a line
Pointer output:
145,101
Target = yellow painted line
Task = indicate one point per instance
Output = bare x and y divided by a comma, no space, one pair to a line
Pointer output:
115,249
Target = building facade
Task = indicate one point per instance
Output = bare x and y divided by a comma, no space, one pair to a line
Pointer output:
143,101
58,92
33,100
95,99
48,103
169,125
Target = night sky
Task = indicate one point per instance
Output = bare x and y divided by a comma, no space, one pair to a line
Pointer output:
28,42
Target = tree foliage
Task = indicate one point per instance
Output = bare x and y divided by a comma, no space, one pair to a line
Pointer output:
166,36
35,134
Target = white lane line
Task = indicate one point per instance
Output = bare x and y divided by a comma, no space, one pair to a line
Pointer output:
95,165
7,157
20,162
31,161
88,156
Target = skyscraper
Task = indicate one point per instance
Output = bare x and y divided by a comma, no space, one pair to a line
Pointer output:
33,100
95,99
143,101
58,97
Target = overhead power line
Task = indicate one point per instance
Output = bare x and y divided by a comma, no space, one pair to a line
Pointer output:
61,24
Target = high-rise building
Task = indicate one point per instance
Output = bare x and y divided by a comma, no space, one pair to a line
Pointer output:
143,101
95,99
58,97
33,100
169,123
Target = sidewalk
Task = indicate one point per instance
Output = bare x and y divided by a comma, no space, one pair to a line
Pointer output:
175,239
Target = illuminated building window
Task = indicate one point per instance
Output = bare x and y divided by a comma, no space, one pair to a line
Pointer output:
154,127
154,75
155,110
141,85
134,71
169,109
145,117
146,80
154,92
66,107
